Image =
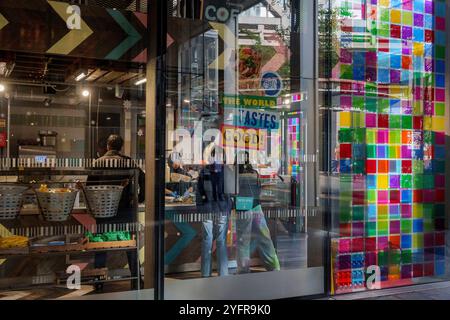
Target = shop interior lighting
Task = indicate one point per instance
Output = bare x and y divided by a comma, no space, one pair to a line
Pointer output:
139,82
2,87
81,76
85,93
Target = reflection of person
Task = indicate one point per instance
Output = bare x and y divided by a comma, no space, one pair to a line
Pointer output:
211,230
216,169
176,166
252,225
216,228
125,213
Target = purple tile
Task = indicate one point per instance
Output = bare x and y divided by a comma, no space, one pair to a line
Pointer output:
394,181
406,33
418,20
383,136
406,152
395,76
429,63
382,242
346,102
394,227
406,271
429,7
406,107
371,120
407,5
346,56
428,108
394,210
371,74
406,47
358,229
406,210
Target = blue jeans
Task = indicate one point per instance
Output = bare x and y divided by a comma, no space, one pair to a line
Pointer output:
215,230
253,227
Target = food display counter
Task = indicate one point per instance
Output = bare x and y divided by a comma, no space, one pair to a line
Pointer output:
39,244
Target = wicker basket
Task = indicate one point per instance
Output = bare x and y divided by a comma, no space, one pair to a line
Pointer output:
11,198
56,206
103,201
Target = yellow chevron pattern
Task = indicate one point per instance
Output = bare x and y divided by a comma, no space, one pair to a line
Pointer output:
229,39
72,39
4,233
3,22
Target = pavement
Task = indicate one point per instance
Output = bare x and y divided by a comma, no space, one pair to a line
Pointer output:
430,291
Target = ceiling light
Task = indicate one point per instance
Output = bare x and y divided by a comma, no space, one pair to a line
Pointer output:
2,88
187,101
80,76
139,82
85,93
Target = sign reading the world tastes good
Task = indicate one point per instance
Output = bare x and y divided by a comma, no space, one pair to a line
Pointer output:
249,138
252,112
255,102
250,118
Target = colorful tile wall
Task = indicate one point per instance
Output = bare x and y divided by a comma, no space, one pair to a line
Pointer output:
294,146
391,140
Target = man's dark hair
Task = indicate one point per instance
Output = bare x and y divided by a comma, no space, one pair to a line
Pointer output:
115,142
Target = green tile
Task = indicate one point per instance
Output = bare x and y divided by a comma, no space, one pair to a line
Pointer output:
395,121
406,181
406,256
371,90
428,137
358,102
358,213
371,104
382,258
346,72
359,166
428,225
417,181
392,152
384,106
383,227
440,52
385,15
428,181
372,196
439,109
407,122
406,226
371,151
371,229
345,216
407,18
418,166
359,135
346,135
428,211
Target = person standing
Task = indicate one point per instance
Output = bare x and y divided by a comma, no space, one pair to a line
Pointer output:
251,223
217,227
126,213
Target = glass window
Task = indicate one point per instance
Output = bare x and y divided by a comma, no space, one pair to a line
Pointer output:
240,193
383,95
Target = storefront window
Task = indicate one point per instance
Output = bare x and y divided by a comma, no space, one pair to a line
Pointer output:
72,100
383,88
